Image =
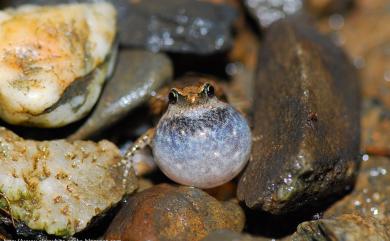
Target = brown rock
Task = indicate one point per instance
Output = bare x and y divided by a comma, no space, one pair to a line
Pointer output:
371,195
347,227
306,121
165,212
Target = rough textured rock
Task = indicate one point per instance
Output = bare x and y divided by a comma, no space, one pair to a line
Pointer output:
54,61
166,213
59,186
306,121
137,75
268,11
347,227
371,194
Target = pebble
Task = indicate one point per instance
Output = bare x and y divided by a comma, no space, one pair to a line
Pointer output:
49,77
138,74
165,213
306,121
59,186
349,227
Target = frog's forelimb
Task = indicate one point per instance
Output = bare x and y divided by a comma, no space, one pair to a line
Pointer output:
141,143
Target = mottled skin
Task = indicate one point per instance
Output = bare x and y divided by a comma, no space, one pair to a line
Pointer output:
200,141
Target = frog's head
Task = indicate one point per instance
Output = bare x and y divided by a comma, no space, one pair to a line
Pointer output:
193,95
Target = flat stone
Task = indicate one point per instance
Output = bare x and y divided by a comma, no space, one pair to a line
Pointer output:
306,121
137,75
371,195
183,26
166,212
349,227
58,186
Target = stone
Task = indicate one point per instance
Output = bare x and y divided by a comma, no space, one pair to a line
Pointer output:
58,187
306,121
54,61
166,212
349,227
138,74
183,26
370,197
267,12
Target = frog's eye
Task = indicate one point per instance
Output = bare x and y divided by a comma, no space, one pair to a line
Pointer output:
173,96
209,90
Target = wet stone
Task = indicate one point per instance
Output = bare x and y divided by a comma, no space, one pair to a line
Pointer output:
166,212
306,121
349,227
184,26
58,186
371,194
137,75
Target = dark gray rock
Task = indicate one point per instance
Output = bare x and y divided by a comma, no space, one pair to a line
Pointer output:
184,26
347,227
136,76
306,121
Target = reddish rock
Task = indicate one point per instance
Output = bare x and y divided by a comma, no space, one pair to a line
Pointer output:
165,212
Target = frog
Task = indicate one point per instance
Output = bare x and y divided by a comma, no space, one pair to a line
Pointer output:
200,140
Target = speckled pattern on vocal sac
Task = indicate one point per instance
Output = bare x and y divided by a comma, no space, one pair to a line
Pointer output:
204,147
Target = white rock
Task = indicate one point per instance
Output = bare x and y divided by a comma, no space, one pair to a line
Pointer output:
44,51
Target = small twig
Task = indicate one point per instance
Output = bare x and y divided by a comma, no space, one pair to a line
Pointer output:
378,151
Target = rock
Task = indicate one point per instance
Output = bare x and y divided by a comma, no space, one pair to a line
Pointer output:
268,11
183,26
347,227
54,61
227,235
325,7
138,74
166,212
306,121
59,186
371,194
375,128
